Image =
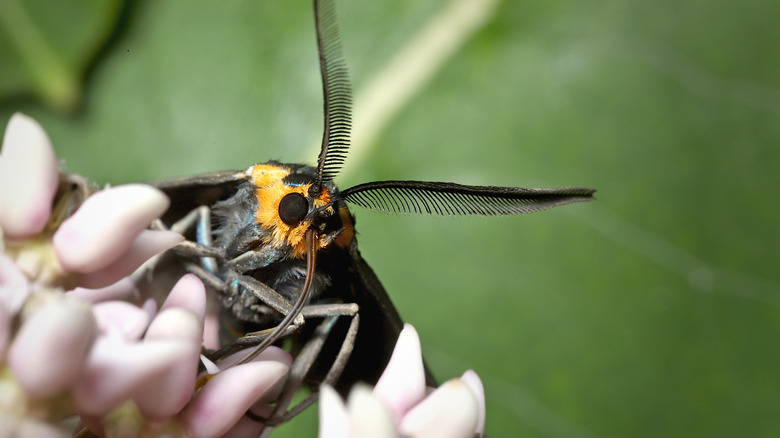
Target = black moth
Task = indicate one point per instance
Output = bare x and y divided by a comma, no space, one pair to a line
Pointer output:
276,242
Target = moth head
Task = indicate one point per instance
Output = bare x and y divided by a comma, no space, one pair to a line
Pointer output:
289,204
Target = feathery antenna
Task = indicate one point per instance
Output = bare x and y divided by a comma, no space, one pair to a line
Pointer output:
410,197
423,197
337,95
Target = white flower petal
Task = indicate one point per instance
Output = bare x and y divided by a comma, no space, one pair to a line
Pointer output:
115,291
51,347
227,396
450,411
106,225
334,419
147,244
211,327
115,370
14,287
471,379
150,306
169,392
118,318
211,367
402,384
368,415
188,293
29,166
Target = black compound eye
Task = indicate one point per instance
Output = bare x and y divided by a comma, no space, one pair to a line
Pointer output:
293,208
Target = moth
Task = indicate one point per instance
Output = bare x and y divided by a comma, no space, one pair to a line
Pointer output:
276,243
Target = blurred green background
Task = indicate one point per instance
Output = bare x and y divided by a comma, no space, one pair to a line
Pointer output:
653,311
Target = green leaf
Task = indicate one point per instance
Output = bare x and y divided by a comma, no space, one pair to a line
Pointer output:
45,46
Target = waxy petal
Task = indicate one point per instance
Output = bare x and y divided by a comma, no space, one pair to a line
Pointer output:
227,396
115,370
450,411
169,392
334,418
115,291
271,353
402,384
106,225
188,293
150,306
147,244
211,331
211,367
29,175
118,318
14,286
50,349
471,379
368,415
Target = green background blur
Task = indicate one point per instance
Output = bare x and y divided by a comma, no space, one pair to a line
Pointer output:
654,311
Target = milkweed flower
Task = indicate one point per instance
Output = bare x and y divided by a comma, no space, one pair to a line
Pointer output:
68,349
61,231
401,405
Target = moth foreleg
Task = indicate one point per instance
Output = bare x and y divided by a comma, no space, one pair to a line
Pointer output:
200,218
251,340
264,293
203,236
308,356
344,309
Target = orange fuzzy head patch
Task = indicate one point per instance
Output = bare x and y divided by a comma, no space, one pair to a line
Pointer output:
270,189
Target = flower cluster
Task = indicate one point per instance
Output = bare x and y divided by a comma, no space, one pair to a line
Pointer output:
70,351
401,405
77,357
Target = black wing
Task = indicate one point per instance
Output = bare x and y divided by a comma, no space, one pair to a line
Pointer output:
353,281
380,326
189,193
